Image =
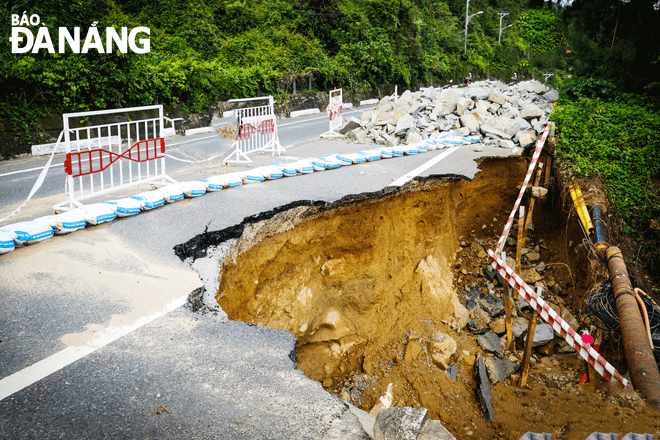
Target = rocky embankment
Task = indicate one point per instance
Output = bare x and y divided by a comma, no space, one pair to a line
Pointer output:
503,116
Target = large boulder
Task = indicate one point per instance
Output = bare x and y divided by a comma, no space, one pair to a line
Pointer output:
400,423
462,105
488,129
403,124
471,122
531,112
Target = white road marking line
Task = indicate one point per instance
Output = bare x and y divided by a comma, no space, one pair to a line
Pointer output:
417,171
34,373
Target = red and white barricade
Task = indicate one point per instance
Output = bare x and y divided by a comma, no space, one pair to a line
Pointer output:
107,157
257,131
335,112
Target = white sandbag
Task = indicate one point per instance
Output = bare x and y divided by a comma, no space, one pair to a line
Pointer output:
271,172
97,213
172,192
343,158
224,181
371,155
24,233
397,151
6,243
251,176
193,188
150,199
287,169
125,207
431,145
303,166
330,162
317,164
422,147
410,149
456,140
385,152
355,158
65,222
444,135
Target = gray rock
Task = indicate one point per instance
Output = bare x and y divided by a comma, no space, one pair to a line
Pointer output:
462,105
524,125
520,326
405,96
537,126
551,95
452,371
351,124
542,335
404,124
390,141
347,427
482,106
483,388
359,135
507,144
530,112
507,125
400,423
525,138
494,108
413,137
490,342
491,304
532,86
430,93
496,98
470,121
489,129
433,430
500,369
477,93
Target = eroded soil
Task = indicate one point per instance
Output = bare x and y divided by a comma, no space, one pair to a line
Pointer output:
374,290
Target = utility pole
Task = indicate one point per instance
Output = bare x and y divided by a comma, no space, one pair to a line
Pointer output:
467,20
502,15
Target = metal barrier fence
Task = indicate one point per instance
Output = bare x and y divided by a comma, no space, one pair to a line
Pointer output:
257,131
107,157
335,112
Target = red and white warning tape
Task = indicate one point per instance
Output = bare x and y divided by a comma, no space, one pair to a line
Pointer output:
530,171
584,349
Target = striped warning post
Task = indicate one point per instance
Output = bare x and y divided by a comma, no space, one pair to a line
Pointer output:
585,350
530,171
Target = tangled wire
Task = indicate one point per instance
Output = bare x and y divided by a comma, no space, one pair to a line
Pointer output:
603,305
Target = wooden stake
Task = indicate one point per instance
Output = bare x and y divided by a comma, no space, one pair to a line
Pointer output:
548,170
508,308
528,222
519,243
529,344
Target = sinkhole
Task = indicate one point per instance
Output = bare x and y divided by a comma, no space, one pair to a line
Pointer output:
373,287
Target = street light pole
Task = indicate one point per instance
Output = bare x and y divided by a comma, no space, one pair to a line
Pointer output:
467,20
502,15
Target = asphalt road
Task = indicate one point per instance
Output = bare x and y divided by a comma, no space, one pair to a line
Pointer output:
95,340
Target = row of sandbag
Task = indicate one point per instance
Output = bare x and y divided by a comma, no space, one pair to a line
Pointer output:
28,232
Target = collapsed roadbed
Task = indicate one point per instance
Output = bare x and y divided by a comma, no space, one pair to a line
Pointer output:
391,299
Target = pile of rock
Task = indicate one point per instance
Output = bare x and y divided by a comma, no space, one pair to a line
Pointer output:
506,116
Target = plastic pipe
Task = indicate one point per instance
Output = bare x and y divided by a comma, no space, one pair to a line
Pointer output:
581,207
599,229
639,354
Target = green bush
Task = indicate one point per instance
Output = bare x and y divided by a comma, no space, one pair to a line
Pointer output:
619,141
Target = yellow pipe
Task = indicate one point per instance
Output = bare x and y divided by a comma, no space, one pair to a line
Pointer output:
581,207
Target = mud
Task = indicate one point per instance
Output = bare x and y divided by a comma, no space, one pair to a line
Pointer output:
373,288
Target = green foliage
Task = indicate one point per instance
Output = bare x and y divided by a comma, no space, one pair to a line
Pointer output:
618,141
540,30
